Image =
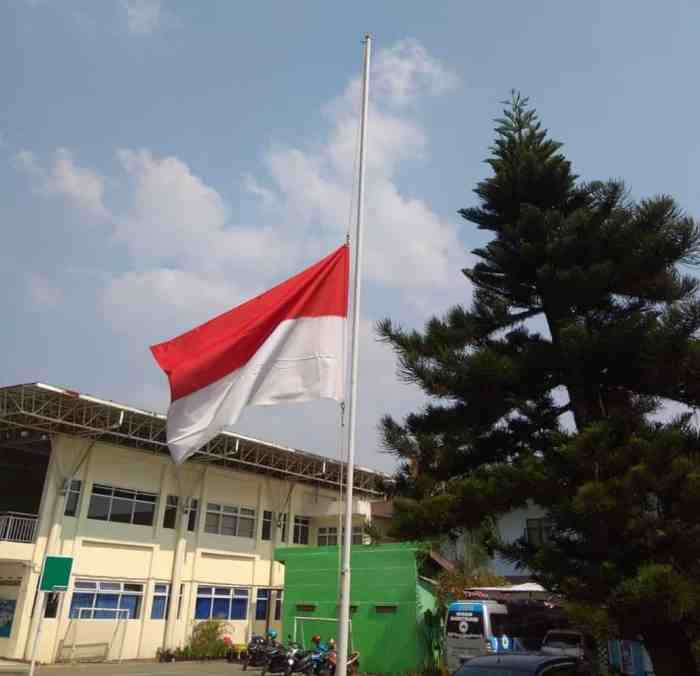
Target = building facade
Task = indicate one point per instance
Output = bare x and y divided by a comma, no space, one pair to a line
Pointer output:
156,548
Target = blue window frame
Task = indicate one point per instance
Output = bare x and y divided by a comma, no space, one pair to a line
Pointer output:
221,603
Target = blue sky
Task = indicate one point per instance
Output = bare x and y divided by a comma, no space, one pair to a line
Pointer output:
162,161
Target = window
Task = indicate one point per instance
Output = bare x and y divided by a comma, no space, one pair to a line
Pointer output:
72,499
282,523
301,530
279,598
230,520
192,516
358,535
161,602
538,531
267,525
327,536
221,603
122,505
170,516
262,603
51,608
106,600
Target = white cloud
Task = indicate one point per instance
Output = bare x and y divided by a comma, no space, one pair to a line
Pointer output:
171,211
173,217
143,16
151,304
82,187
407,244
406,72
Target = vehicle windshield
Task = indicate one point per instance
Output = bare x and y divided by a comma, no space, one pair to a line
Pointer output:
465,622
557,640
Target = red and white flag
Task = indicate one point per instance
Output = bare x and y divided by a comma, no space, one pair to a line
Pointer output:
284,346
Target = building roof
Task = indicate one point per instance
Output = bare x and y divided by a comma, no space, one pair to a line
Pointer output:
30,412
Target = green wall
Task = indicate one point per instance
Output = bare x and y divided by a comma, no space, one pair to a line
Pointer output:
382,575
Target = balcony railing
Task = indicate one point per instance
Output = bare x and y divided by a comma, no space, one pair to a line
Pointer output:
17,527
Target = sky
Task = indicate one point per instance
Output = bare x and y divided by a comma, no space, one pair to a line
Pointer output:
162,161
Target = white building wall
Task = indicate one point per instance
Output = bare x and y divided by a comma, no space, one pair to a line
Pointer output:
511,527
148,555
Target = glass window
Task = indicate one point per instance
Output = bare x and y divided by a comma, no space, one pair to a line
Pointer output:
327,536
221,603
239,609
301,530
99,507
81,601
230,520
73,499
51,608
278,604
161,602
262,603
267,525
192,516
122,505
111,600
170,515
538,531
282,523
211,523
202,609
358,535
221,610
159,610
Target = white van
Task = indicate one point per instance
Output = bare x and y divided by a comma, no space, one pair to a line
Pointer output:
474,628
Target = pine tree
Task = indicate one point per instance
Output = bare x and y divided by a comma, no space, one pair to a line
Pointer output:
579,307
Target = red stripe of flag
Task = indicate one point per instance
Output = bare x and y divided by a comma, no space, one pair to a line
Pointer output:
209,352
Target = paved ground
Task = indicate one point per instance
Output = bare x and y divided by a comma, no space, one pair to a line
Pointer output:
216,668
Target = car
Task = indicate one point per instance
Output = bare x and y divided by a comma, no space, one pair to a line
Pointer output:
520,664
563,643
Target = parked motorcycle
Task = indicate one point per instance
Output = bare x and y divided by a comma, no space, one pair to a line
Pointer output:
290,661
331,659
260,650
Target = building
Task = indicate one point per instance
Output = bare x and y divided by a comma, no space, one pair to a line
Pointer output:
392,603
156,548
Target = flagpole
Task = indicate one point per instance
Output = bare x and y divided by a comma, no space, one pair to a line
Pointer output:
344,624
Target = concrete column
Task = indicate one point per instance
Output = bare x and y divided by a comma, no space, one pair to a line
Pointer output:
176,578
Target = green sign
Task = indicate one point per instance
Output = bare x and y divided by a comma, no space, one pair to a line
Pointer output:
56,573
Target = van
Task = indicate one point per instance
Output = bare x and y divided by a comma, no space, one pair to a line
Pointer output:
474,628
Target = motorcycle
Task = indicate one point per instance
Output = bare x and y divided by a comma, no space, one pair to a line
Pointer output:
331,660
259,651
294,660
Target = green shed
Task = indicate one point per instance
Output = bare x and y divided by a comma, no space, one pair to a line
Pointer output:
392,604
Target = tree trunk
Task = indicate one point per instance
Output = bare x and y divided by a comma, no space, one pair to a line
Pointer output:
670,651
